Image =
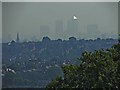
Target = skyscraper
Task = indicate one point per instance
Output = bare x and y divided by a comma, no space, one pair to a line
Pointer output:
17,39
72,27
59,28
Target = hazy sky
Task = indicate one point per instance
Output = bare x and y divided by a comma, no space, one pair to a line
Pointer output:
0,21
60,0
26,18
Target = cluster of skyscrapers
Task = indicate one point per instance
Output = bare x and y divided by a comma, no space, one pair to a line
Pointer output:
71,29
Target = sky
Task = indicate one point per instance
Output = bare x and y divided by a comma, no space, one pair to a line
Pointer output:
26,18
0,22
0,44
60,0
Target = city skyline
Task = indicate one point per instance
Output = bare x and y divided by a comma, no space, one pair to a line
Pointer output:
34,39
36,20
92,30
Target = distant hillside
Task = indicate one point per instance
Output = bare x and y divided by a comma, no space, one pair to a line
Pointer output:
35,64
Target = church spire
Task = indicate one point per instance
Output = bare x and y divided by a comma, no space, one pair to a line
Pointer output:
17,40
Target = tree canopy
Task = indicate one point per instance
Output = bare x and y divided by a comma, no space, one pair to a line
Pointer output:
98,69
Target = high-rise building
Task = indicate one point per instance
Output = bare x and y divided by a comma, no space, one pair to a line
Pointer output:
59,28
72,27
17,39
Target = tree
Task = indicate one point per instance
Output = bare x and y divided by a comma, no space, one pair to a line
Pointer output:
98,69
72,39
45,39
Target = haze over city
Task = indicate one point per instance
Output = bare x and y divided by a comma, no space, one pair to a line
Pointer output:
33,21
60,45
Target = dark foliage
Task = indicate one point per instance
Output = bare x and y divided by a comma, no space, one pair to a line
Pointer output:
37,63
98,69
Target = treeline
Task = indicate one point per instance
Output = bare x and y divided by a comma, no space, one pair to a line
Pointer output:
48,49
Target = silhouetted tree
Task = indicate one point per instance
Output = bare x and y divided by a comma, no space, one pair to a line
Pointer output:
45,39
72,39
